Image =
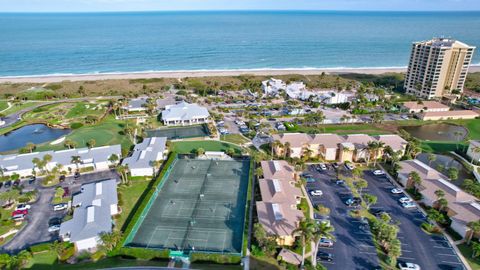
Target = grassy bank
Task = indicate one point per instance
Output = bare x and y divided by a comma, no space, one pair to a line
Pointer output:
188,147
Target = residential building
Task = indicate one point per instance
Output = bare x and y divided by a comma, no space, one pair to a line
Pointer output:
424,106
473,151
273,86
277,211
460,114
298,90
94,207
97,158
437,67
462,207
333,97
136,104
353,147
141,162
183,114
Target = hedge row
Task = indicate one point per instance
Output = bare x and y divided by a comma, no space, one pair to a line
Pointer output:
215,258
140,253
146,198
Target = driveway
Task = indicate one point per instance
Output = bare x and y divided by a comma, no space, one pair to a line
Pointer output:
428,251
41,212
353,248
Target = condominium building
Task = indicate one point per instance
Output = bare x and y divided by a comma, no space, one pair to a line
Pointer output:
437,67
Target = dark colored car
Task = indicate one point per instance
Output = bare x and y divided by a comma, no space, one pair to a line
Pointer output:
76,175
1,184
31,180
355,201
54,221
16,183
335,165
66,192
377,212
8,184
62,178
324,256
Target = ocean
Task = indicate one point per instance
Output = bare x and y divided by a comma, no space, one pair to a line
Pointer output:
89,43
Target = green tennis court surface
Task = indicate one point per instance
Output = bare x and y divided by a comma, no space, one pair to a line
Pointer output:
180,132
201,207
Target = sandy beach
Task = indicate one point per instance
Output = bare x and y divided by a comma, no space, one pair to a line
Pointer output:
199,73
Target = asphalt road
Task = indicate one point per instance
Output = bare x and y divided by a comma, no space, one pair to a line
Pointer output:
428,251
353,248
41,212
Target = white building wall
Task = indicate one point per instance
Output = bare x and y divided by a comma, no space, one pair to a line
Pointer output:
142,171
330,153
459,228
113,209
86,244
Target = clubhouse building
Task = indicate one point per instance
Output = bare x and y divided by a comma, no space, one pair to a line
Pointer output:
140,163
184,114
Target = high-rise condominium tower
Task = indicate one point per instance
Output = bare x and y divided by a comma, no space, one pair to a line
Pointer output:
437,67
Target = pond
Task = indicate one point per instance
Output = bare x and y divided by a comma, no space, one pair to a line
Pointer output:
437,132
35,133
446,162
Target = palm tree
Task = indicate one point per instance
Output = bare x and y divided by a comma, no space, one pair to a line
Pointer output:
475,249
76,160
113,158
91,143
474,227
70,143
475,150
123,171
286,150
307,230
58,248
458,135
275,144
323,230
416,180
111,240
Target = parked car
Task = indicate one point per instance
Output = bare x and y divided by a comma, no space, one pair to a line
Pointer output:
408,266
1,184
409,205
378,173
76,175
60,207
55,221
335,165
54,228
32,180
349,166
396,191
22,206
310,179
18,217
19,212
340,182
66,192
324,256
325,242
61,178
316,192
8,184
16,183
404,200
355,201
322,166
377,212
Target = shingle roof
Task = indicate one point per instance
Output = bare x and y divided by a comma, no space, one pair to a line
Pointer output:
93,217
136,103
184,111
145,152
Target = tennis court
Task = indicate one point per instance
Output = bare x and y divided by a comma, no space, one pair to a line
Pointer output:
180,132
200,207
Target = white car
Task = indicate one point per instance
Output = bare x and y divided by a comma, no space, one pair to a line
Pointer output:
60,207
322,167
349,166
54,228
404,200
409,266
405,117
22,207
396,191
409,205
378,172
325,242
316,192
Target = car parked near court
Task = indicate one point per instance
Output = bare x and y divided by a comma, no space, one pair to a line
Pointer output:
409,205
404,200
396,191
408,266
324,256
316,192
325,242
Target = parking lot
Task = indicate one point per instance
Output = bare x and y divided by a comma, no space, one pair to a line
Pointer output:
353,248
428,251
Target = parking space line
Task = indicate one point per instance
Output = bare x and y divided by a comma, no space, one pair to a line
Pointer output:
442,254
406,258
442,247
453,262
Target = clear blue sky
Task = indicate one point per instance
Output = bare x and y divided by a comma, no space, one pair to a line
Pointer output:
148,5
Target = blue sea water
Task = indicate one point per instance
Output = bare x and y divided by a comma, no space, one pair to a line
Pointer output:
79,43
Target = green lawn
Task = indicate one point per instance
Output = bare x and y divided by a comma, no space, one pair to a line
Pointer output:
129,197
44,262
234,138
82,108
107,132
440,147
186,147
3,105
467,253
342,129
19,106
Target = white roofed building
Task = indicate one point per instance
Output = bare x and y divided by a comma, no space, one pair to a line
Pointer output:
184,114
140,163
272,86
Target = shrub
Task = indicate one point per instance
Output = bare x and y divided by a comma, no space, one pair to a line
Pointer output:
67,254
140,253
215,258
76,125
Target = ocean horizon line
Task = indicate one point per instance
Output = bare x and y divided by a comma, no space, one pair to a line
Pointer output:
239,11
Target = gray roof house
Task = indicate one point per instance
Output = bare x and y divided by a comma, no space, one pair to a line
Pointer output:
90,157
144,153
95,205
184,113
136,104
